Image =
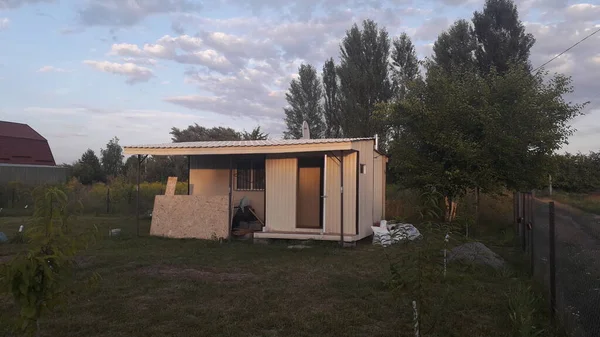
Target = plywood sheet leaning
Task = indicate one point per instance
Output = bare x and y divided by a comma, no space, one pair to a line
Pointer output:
190,216
171,185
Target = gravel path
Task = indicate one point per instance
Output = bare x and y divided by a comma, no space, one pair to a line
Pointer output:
577,265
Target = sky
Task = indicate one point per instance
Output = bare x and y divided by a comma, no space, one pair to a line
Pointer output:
81,72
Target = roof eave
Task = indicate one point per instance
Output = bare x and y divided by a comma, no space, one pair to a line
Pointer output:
269,149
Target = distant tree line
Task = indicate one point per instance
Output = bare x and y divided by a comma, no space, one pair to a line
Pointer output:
90,168
578,173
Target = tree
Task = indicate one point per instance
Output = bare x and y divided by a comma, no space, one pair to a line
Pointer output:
405,65
463,130
112,158
255,134
454,50
501,38
364,78
304,100
42,278
331,104
88,169
160,168
197,133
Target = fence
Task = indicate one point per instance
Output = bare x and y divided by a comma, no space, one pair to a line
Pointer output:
115,198
563,245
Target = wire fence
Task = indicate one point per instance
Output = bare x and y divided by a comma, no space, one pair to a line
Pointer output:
563,245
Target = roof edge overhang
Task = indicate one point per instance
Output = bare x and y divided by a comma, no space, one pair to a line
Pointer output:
265,149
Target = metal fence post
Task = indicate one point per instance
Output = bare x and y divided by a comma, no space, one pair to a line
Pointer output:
532,236
523,221
552,261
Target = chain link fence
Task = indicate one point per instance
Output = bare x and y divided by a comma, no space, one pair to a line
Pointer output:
563,245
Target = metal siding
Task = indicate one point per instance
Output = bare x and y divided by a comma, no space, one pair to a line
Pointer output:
32,174
281,187
365,181
350,171
378,187
332,191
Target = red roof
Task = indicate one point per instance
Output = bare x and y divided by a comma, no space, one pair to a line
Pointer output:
20,144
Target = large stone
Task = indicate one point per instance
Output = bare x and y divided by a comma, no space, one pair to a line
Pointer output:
477,253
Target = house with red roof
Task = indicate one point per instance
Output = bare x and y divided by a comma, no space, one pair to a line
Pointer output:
25,156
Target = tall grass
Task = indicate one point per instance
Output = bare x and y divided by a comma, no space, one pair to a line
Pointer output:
117,197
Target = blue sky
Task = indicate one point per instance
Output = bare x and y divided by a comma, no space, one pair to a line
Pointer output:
81,72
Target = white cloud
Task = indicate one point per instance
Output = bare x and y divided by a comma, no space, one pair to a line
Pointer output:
129,12
133,72
583,12
4,23
140,61
10,4
51,69
125,49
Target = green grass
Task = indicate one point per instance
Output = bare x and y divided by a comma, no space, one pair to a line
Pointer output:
165,287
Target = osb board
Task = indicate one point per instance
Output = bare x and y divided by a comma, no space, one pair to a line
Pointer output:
190,216
171,184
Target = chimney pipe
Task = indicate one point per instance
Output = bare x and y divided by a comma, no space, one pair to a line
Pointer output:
376,142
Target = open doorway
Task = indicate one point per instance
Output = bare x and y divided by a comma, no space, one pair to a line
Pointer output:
310,189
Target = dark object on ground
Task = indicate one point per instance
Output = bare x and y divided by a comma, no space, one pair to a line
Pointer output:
476,252
3,238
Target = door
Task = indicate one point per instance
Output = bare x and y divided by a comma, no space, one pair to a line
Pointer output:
309,197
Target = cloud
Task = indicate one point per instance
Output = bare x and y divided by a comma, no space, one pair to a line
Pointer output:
140,61
51,69
11,4
4,23
583,12
183,49
133,72
130,12
431,28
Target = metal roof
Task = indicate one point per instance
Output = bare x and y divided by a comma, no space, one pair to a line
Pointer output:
20,144
245,143
245,146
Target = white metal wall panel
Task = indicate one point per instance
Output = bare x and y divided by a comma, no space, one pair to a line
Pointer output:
281,191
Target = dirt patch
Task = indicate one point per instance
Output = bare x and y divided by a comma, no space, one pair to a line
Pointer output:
173,272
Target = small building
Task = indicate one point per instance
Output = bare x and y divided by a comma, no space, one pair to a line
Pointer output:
25,156
299,189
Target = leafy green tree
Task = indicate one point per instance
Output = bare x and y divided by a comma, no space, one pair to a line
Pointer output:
454,49
88,169
405,64
255,134
364,78
331,104
42,278
304,100
111,158
501,38
463,130
197,133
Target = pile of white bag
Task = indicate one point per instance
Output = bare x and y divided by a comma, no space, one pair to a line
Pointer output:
388,234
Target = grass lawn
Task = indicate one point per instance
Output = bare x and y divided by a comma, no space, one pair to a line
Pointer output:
165,287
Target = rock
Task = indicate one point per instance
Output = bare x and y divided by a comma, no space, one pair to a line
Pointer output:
298,247
476,252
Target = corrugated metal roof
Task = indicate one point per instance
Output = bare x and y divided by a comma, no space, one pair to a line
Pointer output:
20,144
18,130
245,143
